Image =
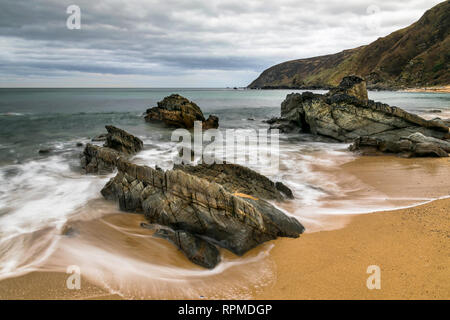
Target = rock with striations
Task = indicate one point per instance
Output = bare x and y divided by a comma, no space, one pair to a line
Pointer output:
345,114
199,206
177,111
103,160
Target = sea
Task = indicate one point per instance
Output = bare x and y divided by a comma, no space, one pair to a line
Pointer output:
42,192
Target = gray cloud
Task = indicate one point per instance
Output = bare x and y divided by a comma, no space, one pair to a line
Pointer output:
178,42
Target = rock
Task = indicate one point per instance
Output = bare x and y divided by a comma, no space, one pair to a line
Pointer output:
284,125
202,208
250,119
100,137
79,144
211,123
420,138
415,145
99,160
45,151
196,249
239,179
122,141
346,115
103,160
179,112
353,86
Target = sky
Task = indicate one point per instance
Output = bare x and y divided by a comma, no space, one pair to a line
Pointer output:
182,43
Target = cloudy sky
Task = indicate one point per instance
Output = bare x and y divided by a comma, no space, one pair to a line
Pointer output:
182,43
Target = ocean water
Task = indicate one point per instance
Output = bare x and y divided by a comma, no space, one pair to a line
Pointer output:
40,193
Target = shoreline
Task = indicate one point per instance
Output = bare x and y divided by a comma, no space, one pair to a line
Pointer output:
323,264
437,89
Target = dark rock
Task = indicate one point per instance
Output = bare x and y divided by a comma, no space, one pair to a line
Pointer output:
185,202
99,160
79,144
239,179
354,86
177,111
250,119
211,123
100,137
122,141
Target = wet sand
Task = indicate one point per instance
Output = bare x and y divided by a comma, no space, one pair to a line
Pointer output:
410,246
439,89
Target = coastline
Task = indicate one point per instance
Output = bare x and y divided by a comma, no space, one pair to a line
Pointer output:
331,264
437,89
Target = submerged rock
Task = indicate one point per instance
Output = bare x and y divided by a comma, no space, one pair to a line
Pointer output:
345,114
177,111
185,202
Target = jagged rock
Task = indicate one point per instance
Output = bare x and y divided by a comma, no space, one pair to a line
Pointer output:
352,86
177,111
122,141
100,137
44,151
239,179
103,160
185,202
196,249
420,138
347,117
99,160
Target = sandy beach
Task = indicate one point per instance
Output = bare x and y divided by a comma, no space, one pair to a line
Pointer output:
410,246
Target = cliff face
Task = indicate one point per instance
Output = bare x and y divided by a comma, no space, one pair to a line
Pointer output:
418,55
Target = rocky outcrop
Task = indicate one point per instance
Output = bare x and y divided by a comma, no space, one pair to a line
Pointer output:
98,160
238,179
345,115
177,111
103,160
200,207
122,141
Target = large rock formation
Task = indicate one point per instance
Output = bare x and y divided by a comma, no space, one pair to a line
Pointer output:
103,160
202,208
177,111
345,114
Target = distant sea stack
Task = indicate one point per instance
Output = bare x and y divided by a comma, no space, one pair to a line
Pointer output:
416,56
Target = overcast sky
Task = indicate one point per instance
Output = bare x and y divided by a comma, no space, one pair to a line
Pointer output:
182,43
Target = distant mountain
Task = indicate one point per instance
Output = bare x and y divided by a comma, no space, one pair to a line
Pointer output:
418,55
